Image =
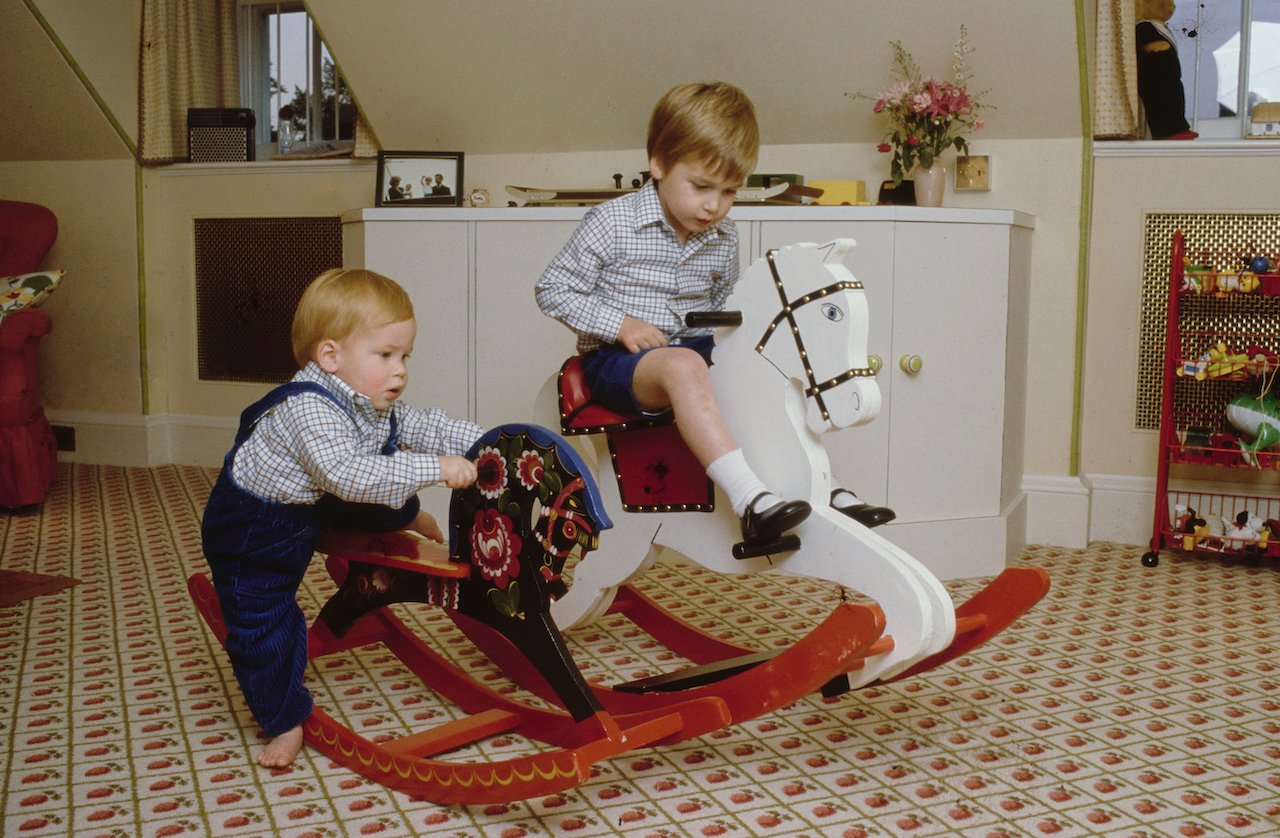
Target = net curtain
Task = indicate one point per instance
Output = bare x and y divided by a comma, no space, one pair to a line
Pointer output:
1115,104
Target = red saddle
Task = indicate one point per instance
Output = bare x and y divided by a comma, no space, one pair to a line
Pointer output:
655,469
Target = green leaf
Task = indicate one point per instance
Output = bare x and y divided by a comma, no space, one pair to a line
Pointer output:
501,603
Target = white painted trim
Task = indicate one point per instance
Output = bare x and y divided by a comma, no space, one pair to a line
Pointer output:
1058,510
1120,507
124,439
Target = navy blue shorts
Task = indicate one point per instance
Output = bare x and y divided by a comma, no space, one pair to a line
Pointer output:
609,371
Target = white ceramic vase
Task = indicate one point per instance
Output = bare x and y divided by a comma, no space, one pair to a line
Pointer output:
930,184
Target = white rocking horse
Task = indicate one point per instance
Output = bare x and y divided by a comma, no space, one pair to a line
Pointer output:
794,367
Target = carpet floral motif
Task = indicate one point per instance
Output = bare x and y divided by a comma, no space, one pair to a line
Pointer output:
1129,702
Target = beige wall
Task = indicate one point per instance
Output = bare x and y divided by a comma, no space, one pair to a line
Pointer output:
1125,190
91,361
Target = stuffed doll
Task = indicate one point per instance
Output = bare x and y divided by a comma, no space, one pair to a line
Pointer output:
1160,73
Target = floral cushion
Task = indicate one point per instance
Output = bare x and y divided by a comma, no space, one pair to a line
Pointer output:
24,290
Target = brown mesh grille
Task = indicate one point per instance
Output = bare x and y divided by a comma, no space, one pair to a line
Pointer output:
1224,239
250,273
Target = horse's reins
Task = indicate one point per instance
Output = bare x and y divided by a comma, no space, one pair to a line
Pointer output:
815,388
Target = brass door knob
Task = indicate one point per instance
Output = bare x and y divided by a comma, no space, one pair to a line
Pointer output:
875,362
911,364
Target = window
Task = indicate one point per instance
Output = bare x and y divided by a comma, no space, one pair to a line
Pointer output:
286,71
1208,36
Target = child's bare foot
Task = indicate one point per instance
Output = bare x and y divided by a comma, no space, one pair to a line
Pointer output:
281,750
425,524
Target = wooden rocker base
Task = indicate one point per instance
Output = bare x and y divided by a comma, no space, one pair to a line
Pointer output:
748,683
408,764
752,682
983,616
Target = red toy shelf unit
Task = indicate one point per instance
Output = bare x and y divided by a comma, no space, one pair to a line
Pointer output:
1219,343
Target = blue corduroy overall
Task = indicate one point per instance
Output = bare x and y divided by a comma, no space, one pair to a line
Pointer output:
258,551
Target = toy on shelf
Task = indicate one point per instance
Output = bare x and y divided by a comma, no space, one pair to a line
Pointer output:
1224,274
1257,418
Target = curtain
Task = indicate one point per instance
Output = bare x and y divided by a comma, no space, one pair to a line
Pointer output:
188,59
366,144
1115,103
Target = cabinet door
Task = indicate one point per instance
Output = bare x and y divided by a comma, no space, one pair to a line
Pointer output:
431,262
517,347
950,308
859,455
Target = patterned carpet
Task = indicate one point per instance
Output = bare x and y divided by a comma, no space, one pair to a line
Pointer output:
1131,701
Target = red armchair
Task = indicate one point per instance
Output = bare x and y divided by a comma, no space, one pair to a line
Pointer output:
28,452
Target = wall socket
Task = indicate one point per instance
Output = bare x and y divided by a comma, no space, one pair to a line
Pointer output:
65,437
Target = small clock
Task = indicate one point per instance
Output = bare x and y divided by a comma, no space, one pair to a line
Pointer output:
973,173
478,198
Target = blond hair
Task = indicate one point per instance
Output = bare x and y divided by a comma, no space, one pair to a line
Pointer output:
708,122
342,300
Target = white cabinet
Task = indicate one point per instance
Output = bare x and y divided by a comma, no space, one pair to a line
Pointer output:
432,262
948,306
947,286
517,347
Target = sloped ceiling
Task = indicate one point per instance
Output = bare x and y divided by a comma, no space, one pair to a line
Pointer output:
45,111
512,76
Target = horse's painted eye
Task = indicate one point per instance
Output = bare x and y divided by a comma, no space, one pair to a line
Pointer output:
569,530
832,312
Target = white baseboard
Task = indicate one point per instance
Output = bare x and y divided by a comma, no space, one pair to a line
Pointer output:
1072,511
1121,508
121,439
1057,510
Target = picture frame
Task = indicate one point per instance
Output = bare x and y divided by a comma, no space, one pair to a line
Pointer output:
404,177
973,173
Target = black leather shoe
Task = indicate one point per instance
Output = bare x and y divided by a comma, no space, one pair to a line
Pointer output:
774,521
864,513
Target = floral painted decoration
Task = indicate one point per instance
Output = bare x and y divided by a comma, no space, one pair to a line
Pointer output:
515,480
926,116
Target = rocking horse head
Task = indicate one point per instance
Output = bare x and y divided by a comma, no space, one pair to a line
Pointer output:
812,320
534,506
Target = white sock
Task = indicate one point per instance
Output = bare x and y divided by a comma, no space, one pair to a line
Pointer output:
736,479
842,498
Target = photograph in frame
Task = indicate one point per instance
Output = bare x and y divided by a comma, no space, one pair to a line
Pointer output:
419,179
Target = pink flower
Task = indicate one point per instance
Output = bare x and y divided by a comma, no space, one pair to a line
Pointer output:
913,140
879,106
979,124
884,147
495,548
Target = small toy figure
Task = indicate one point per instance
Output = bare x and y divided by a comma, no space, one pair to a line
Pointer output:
1188,523
1160,73
1238,532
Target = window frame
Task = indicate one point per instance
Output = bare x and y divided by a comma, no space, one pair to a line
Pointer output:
254,42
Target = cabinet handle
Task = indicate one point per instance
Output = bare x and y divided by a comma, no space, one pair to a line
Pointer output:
875,362
910,364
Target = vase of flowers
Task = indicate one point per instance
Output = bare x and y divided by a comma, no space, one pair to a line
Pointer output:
927,116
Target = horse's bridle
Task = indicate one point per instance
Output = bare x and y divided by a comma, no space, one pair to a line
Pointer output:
815,388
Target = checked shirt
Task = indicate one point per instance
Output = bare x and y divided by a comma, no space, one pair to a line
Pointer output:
626,260
307,446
